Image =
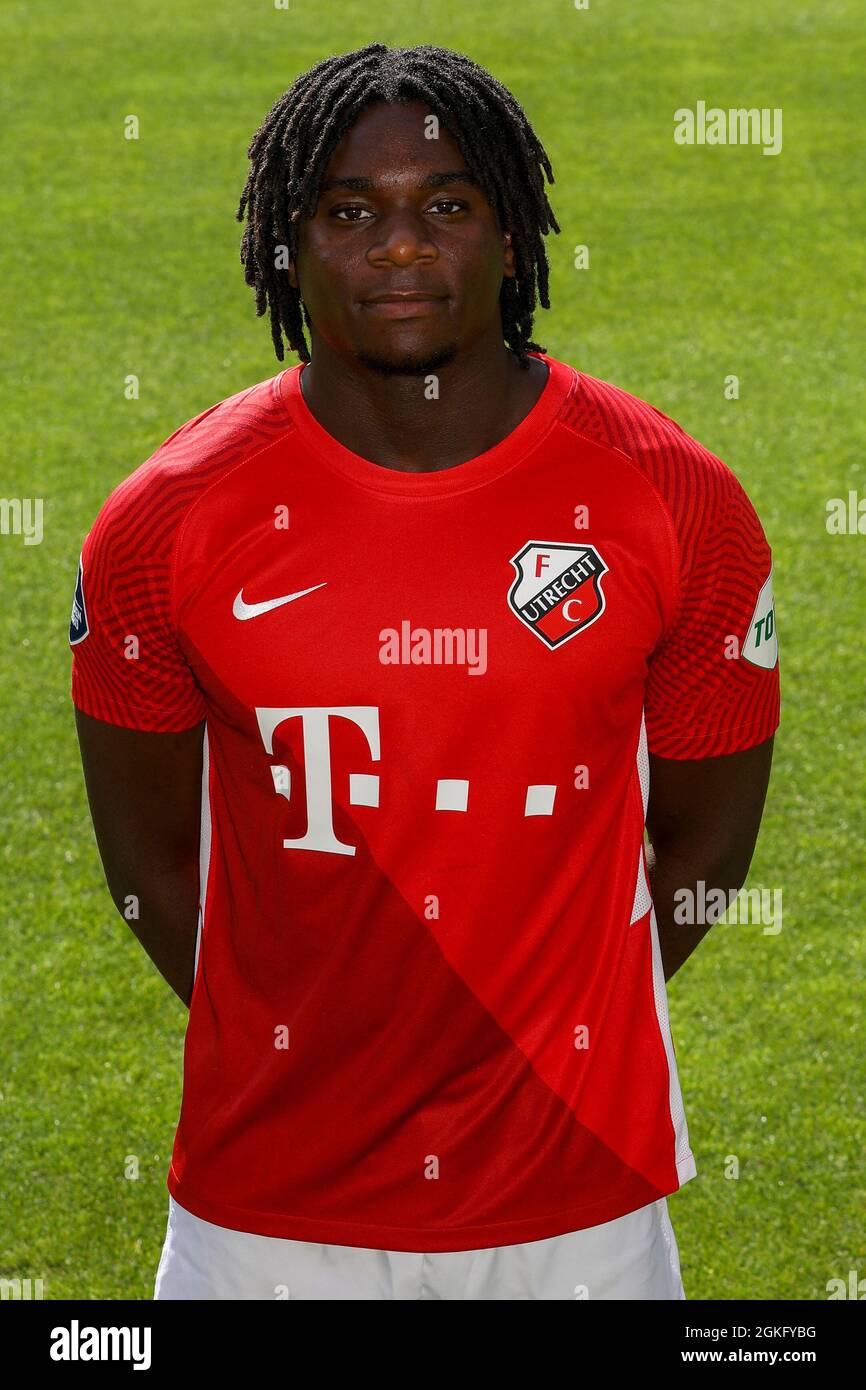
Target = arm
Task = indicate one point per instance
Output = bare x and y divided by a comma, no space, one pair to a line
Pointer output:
702,821
144,791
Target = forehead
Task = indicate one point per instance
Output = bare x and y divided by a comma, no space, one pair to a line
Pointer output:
392,144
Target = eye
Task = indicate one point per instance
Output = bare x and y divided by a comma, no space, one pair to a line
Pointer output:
354,207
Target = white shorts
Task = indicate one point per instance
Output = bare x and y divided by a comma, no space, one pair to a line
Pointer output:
634,1256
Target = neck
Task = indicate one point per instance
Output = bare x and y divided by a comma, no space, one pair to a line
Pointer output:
483,394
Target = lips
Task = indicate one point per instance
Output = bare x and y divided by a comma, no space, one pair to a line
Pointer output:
390,296
403,304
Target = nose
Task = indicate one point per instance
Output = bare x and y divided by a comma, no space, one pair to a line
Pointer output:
401,238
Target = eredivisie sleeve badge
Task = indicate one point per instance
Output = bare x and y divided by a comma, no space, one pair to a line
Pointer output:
557,592
78,628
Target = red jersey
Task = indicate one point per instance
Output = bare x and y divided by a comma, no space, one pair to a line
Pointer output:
429,1011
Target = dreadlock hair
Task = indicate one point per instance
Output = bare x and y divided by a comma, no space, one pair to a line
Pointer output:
291,149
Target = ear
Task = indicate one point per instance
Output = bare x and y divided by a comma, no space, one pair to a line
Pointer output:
508,255
292,275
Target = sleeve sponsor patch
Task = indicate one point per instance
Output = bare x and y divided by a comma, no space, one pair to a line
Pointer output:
78,628
761,646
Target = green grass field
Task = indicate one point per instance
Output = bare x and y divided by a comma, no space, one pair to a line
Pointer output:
122,258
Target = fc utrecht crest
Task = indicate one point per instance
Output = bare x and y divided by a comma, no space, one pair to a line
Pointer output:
557,592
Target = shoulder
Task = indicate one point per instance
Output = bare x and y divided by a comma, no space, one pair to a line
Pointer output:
146,509
688,478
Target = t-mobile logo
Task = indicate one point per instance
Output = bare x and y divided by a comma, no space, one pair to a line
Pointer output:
450,794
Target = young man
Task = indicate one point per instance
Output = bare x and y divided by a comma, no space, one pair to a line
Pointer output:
380,666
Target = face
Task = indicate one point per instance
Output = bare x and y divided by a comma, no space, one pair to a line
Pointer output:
398,212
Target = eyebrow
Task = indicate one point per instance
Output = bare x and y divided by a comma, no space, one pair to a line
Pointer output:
362,184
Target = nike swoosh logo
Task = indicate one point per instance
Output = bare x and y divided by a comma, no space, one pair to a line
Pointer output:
243,611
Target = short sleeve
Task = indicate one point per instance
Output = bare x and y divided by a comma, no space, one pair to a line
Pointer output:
127,665
713,682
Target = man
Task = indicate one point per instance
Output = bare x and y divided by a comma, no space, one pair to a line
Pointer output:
379,667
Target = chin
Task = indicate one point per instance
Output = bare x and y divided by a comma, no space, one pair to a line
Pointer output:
405,361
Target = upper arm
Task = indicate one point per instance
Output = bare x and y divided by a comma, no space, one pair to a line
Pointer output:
713,680
138,709
144,791
128,667
712,700
710,807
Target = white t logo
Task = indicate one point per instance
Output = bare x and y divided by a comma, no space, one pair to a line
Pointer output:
317,767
